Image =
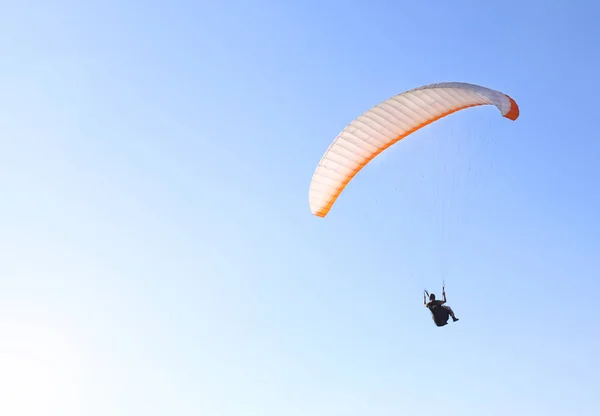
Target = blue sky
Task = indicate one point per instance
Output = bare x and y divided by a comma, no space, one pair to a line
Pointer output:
158,255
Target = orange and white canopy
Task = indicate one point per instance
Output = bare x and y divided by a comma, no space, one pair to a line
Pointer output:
387,123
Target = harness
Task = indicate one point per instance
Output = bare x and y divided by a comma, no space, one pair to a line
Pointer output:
440,315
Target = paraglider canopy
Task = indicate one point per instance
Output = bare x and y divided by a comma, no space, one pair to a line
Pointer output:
388,122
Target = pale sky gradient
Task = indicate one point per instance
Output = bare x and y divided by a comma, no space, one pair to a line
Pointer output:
157,251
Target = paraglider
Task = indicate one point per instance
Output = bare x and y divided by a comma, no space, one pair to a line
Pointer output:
382,126
388,122
439,311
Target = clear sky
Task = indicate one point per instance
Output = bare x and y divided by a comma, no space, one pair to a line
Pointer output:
158,255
